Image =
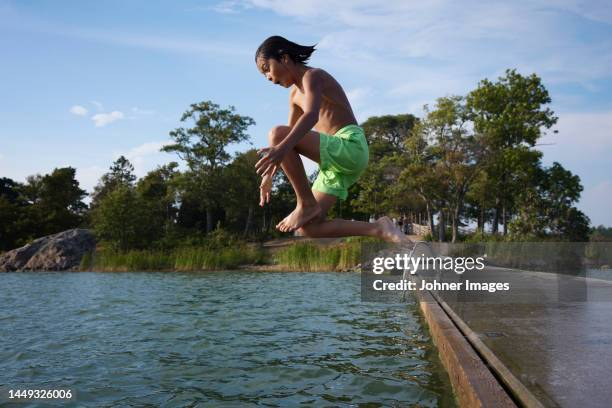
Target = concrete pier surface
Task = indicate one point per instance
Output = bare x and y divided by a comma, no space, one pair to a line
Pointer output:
548,338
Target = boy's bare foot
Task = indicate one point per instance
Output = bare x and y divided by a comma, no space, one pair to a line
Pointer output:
390,232
300,216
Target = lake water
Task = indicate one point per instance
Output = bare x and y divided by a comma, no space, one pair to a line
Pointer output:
220,339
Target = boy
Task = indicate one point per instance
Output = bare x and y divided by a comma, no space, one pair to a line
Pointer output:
338,144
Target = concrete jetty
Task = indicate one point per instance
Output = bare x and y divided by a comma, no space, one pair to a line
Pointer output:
547,340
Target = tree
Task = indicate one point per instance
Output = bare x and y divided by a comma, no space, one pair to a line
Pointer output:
458,154
242,189
560,190
420,173
373,184
507,114
375,192
57,202
119,220
545,206
386,134
9,189
121,174
158,196
601,234
12,214
43,205
203,148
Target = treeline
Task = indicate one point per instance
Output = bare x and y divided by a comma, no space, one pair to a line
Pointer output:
470,161
42,205
601,234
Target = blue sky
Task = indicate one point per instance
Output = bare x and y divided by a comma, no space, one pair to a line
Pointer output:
84,82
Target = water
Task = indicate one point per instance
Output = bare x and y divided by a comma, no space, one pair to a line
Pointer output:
234,339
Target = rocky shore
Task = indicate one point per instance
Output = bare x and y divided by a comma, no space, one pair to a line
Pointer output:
57,252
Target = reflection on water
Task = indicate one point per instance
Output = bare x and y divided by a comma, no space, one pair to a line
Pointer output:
222,338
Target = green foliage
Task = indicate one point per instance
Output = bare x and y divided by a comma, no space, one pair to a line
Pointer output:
375,193
469,158
508,114
601,234
241,202
387,134
179,259
11,218
545,206
86,261
43,205
309,257
157,196
121,174
121,219
60,204
203,148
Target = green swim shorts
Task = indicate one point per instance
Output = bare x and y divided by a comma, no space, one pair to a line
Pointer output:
344,156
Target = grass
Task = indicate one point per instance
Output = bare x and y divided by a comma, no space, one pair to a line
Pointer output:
310,257
298,256
180,259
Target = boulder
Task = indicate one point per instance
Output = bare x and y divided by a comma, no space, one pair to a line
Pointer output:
57,252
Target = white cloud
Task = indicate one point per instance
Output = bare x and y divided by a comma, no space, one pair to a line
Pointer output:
461,41
78,110
103,119
145,149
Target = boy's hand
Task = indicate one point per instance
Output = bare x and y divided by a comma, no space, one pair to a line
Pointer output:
266,187
272,159
264,190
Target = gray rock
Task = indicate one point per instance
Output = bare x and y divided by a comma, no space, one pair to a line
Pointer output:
58,252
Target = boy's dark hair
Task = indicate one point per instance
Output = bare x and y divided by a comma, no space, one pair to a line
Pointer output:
276,46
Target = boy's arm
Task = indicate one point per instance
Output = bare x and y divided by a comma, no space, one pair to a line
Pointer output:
294,110
313,89
308,118
294,114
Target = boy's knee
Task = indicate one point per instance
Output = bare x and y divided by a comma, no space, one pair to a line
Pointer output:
277,134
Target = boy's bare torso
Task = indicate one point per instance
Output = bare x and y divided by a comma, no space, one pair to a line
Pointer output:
335,110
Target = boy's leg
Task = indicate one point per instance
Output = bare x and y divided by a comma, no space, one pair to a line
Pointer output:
319,227
307,207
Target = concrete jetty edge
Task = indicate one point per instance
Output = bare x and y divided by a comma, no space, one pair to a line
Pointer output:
474,384
512,384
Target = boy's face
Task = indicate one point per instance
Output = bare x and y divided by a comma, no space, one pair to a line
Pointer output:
275,71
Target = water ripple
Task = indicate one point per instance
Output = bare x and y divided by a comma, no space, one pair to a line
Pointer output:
218,339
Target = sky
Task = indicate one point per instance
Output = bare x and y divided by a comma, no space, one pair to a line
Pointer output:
82,83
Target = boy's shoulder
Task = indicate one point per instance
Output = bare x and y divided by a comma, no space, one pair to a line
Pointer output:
316,73
313,74
318,76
